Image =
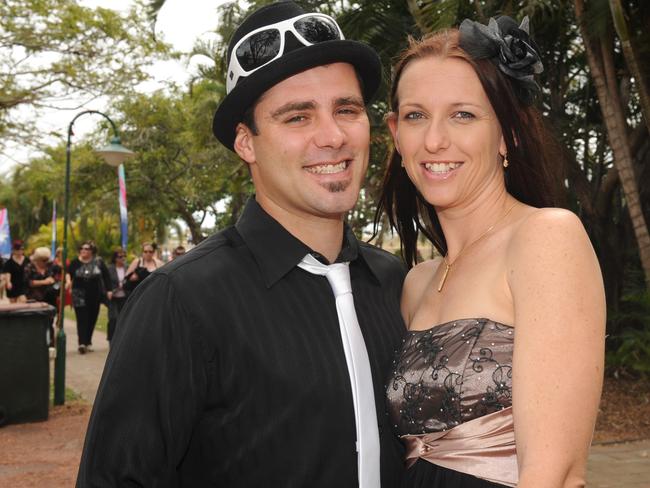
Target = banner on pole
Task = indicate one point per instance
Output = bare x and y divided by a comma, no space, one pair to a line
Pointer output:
53,229
124,221
5,236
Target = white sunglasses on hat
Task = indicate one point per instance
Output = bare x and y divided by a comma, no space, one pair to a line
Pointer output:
266,44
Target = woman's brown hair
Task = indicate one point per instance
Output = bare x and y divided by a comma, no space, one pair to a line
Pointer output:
534,174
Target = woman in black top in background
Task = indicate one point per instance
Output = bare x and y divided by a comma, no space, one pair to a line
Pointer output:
88,277
142,267
117,273
14,270
41,281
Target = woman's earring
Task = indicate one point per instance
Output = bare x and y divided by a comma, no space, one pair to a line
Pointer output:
505,160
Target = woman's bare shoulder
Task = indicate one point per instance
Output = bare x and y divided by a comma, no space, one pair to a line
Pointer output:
548,236
543,226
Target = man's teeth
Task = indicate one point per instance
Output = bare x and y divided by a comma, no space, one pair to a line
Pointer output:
441,167
325,169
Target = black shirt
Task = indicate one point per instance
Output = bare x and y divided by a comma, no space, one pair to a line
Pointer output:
17,276
92,277
41,293
228,370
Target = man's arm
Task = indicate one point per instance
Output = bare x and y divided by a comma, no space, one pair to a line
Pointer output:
150,395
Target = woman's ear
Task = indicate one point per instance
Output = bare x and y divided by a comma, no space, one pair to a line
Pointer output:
503,149
391,121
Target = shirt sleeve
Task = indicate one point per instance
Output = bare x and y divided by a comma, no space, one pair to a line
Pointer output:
151,393
72,269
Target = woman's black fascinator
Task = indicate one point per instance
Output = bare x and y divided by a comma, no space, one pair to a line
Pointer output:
510,47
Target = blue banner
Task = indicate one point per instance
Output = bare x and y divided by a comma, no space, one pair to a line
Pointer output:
124,221
53,229
5,236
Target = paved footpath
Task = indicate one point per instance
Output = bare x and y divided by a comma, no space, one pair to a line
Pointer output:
83,371
624,465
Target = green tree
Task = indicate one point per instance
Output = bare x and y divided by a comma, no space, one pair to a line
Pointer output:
54,53
180,170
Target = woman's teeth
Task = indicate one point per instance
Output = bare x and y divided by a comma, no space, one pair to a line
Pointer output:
441,167
326,169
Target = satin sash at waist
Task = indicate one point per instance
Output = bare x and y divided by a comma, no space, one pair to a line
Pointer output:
483,447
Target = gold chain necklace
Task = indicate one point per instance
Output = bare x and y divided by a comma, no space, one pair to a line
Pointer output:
448,265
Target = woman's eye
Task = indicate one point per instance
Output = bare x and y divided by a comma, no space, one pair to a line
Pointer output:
463,115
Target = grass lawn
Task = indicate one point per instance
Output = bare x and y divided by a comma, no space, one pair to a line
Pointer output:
102,320
70,395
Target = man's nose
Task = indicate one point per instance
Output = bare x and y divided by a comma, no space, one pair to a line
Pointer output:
329,133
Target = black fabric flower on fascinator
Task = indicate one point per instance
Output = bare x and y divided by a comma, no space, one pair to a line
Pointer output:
510,47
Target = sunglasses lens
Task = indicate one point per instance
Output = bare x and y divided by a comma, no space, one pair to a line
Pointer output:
258,49
317,29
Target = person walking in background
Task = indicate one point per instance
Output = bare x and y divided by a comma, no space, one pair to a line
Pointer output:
498,379
142,267
14,273
90,283
178,251
117,273
41,281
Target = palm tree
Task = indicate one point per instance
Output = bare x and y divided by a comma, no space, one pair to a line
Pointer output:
631,57
600,57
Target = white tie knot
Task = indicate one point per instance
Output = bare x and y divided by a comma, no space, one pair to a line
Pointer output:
338,276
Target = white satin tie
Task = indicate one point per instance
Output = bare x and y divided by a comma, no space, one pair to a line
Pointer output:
356,356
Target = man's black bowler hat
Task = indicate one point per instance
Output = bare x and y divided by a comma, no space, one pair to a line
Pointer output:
295,59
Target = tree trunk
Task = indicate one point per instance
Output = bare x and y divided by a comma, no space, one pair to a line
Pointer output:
617,134
630,58
192,224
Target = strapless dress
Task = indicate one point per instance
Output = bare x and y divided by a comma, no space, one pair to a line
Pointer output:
450,401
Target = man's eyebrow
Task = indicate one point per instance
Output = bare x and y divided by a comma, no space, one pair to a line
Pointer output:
357,101
291,106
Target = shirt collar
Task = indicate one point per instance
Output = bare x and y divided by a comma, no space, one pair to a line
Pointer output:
276,251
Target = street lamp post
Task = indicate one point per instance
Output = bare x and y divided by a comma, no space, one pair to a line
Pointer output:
114,154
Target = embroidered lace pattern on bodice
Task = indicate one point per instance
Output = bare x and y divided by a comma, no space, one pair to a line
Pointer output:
450,374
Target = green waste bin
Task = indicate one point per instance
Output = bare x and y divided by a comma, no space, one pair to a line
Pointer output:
24,362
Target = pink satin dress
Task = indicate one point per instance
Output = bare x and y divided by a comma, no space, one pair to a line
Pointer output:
450,401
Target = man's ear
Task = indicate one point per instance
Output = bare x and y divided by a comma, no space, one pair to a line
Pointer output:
244,146
391,121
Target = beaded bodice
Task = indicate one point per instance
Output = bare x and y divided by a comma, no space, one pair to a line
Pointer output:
450,374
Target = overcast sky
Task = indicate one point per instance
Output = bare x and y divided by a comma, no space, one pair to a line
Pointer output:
180,23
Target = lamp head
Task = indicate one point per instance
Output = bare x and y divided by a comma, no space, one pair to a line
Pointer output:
115,153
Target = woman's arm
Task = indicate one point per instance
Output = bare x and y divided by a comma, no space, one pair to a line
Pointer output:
106,277
129,272
44,282
559,307
7,277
